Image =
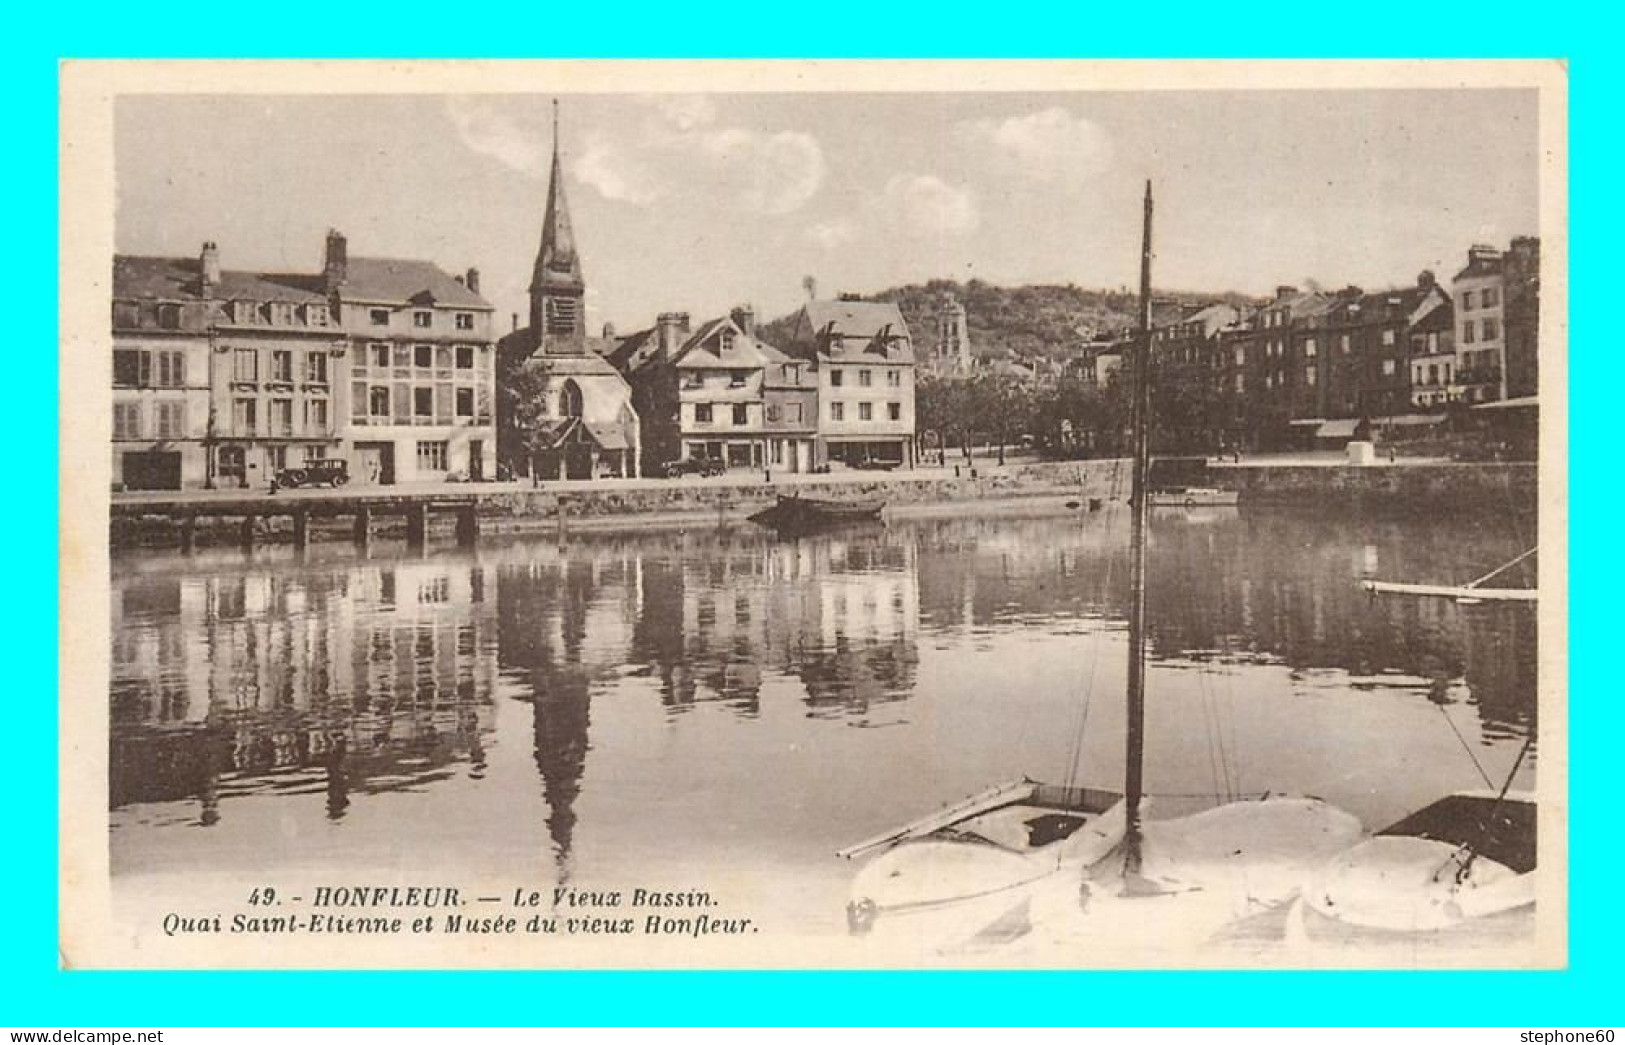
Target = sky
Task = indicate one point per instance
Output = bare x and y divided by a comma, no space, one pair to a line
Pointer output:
699,203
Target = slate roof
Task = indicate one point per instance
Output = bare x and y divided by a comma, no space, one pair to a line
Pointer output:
398,280
180,279
384,280
634,350
773,374
697,354
860,321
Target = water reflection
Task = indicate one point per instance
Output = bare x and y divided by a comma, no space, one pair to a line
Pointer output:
352,679
369,678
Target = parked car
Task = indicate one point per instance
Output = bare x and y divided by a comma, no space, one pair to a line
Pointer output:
877,465
326,471
695,466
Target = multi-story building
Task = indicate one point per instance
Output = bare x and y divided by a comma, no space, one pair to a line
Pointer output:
789,410
163,324
422,399
224,378
1433,354
221,377
1187,369
1478,291
865,362
1521,313
577,419
717,391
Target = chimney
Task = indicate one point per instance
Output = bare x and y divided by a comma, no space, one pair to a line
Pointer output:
209,267
338,261
1426,280
1285,291
1478,252
609,331
745,317
515,320
810,285
472,280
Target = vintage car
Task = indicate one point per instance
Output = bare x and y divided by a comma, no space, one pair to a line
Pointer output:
695,466
325,471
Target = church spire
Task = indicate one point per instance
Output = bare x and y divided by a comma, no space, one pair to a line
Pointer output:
557,316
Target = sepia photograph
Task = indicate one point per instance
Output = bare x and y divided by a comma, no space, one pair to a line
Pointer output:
831,515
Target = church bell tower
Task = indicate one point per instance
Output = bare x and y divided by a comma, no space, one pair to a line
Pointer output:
558,315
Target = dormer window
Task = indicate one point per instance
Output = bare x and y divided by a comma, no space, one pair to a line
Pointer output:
725,341
245,312
317,315
282,313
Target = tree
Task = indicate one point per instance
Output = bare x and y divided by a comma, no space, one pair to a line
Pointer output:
522,397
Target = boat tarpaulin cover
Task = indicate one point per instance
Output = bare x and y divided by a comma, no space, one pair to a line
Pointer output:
1337,428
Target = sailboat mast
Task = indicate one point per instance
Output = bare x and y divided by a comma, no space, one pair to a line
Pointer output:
1139,501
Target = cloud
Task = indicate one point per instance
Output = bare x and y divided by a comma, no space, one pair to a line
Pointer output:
768,173
619,173
489,131
832,234
1049,145
678,153
926,203
685,111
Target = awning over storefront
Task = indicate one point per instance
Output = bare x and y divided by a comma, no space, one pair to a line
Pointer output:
1408,421
1520,403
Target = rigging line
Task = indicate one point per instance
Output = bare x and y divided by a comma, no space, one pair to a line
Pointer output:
1502,568
1075,765
1489,817
1467,748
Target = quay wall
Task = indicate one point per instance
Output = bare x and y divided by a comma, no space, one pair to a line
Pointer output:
1445,485
515,508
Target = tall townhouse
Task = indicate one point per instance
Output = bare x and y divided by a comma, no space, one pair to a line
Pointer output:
162,324
1479,290
421,379
789,410
865,362
1521,312
1286,396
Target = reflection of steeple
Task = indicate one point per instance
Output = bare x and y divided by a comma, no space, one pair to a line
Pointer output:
560,706
557,287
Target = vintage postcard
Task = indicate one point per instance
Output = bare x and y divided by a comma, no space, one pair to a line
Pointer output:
814,515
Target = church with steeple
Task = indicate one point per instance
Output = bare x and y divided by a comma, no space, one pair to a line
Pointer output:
567,413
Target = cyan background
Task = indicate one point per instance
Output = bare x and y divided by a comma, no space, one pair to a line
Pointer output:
34,993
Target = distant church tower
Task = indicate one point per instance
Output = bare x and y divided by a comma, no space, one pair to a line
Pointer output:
558,314
953,335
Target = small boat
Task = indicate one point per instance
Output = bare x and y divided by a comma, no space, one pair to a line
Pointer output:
808,513
1194,497
1464,863
1471,592
970,863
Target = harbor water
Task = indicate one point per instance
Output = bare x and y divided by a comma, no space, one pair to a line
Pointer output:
722,708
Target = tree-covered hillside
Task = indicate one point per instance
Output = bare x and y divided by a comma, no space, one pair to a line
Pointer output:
1028,321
